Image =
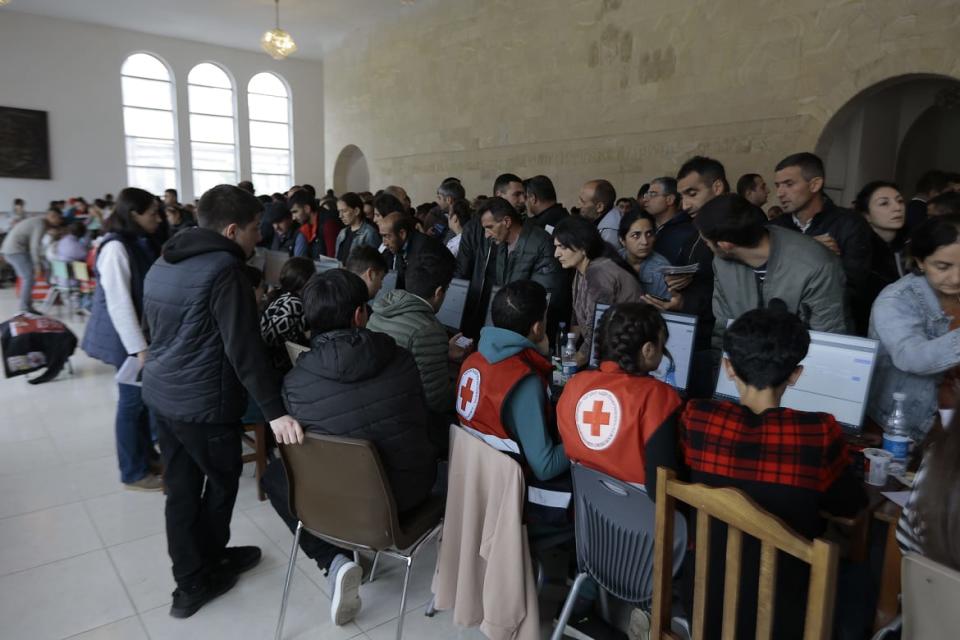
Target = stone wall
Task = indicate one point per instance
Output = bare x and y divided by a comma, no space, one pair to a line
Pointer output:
622,89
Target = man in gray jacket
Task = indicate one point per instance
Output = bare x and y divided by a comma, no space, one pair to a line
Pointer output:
753,264
409,317
22,248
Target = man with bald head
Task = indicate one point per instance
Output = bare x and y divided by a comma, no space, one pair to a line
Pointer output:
400,194
598,204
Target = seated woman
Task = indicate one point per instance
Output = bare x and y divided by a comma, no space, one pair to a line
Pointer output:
618,419
881,204
597,278
638,234
283,318
930,522
356,230
917,321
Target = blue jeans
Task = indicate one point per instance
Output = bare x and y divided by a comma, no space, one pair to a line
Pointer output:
134,441
24,267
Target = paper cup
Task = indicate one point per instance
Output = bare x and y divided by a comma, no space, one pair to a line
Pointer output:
878,465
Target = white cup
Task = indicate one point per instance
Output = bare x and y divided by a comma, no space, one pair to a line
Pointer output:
879,465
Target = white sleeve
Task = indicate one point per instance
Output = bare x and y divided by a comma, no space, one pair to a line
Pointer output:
113,264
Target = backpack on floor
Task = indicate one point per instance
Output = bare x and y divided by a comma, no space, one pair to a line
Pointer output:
31,342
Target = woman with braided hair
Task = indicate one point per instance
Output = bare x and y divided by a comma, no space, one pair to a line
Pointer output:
618,419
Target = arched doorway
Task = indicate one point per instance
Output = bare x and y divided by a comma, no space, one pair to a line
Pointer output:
896,129
350,173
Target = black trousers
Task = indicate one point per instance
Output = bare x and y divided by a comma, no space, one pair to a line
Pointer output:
274,483
202,465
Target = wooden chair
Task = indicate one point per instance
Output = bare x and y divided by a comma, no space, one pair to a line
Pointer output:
742,516
257,442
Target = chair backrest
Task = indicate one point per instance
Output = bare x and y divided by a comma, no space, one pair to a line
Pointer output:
294,350
931,593
616,527
339,490
60,271
80,271
742,516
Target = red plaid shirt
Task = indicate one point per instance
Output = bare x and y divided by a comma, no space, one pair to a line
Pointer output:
781,446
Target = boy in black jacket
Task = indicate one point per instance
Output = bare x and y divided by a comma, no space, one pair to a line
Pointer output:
354,383
205,355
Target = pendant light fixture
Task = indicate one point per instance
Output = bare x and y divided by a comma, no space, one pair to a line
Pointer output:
276,42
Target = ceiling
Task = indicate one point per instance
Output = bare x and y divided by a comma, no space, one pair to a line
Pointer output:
317,26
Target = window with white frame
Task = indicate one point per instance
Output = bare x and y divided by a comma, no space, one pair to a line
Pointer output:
149,123
213,137
271,160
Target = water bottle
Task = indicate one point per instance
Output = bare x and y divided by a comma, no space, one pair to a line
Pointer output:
568,358
896,434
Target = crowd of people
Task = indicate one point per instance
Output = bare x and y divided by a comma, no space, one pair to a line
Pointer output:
176,297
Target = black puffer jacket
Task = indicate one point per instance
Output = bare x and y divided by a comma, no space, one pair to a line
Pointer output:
205,347
359,384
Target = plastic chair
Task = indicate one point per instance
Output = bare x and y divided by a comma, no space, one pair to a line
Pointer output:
615,529
930,593
742,516
60,286
340,493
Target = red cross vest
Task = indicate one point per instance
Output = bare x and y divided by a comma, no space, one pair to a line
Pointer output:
605,417
483,389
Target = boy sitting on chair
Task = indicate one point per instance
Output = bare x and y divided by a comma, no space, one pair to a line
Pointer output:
354,383
793,464
502,394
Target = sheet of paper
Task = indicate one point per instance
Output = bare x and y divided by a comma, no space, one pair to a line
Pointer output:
129,372
899,498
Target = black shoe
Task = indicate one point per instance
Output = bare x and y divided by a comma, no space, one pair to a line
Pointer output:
236,560
188,601
591,626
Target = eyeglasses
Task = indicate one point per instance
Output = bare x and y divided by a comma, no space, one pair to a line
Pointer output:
650,195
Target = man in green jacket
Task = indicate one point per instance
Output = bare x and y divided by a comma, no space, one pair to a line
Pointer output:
410,317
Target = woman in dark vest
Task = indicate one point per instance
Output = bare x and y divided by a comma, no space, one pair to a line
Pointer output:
114,333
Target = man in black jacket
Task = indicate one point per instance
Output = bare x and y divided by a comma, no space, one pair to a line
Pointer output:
205,355
354,383
542,207
403,241
799,182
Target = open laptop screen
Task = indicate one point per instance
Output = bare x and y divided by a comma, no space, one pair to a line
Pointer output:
273,265
450,314
681,331
389,284
323,263
836,378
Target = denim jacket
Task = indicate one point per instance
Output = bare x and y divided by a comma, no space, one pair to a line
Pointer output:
916,348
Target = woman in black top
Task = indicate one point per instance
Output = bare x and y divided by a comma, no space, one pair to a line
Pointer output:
882,206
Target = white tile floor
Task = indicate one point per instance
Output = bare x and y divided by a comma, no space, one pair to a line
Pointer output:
80,557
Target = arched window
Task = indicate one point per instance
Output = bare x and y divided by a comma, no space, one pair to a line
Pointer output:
213,138
149,124
271,160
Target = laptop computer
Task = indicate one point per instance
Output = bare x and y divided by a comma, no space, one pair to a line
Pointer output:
681,333
389,284
323,263
274,261
836,379
450,314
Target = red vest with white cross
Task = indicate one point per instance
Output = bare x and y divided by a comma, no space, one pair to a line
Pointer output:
483,388
606,416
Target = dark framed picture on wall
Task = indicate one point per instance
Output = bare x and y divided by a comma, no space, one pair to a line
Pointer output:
24,144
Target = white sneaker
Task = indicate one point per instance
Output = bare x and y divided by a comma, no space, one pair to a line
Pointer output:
639,628
344,576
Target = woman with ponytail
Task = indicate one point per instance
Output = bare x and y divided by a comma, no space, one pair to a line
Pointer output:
618,419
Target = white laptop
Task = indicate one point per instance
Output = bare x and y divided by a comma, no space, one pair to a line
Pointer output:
323,263
681,333
450,314
273,264
836,379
